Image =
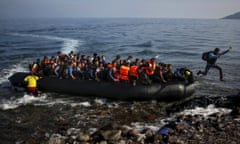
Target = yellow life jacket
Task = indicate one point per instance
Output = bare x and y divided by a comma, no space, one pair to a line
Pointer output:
31,80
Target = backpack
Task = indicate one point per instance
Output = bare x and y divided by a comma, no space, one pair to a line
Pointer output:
205,56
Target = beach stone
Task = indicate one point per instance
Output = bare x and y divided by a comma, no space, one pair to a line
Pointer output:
111,134
200,126
84,137
111,126
172,139
148,133
140,138
151,117
76,142
120,142
124,130
30,141
56,140
104,112
72,131
133,133
180,127
157,138
103,142
237,119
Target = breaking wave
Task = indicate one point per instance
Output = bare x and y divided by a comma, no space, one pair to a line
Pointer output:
68,45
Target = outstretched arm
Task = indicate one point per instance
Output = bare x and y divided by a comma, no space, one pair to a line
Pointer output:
226,51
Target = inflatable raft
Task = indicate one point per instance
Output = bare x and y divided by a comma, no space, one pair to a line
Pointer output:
118,91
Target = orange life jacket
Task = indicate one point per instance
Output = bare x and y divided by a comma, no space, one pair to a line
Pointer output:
151,68
110,65
73,65
133,71
124,73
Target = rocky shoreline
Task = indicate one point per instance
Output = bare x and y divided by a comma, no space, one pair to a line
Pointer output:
114,124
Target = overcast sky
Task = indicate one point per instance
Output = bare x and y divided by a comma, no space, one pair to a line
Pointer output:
118,8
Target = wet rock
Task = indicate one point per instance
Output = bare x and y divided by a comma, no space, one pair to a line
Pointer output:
148,133
157,139
140,138
235,111
125,131
104,112
111,126
111,134
151,117
103,142
73,131
61,121
200,126
84,137
30,141
173,139
237,118
56,140
133,133
180,127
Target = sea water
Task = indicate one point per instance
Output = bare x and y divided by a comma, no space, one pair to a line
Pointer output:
179,42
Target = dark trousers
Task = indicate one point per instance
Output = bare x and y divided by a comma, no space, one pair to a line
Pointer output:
208,66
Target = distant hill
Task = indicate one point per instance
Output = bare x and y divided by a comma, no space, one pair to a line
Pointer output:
233,16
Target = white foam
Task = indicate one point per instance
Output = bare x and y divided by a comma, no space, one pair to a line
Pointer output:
100,101
5,73
211,109
69,44
85,104
14,103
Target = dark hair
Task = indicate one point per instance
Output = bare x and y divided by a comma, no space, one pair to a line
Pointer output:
216,50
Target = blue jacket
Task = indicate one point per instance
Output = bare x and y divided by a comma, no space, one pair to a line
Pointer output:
213,57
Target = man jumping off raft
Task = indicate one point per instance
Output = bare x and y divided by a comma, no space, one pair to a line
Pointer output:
211,58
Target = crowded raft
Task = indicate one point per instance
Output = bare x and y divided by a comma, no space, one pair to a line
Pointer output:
139,71
121,79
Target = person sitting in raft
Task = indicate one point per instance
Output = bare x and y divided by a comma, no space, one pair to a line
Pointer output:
143,77
129,60
112,73
124,72
61,56
151,67
103,61
35,67
133,73
117,60
184,74
159,77
31,81
70,71
169,74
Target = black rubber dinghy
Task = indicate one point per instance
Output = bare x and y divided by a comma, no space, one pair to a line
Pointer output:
118,91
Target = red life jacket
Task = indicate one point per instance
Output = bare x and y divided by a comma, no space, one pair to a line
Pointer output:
110,65
151,68
133,71
124,73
